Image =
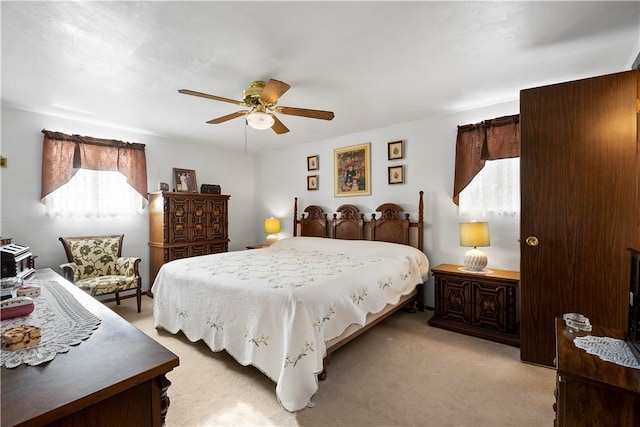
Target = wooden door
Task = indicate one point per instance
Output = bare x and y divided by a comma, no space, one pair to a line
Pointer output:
579,172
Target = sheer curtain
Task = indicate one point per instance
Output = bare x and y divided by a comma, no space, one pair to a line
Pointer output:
85,176
495,190
487,169
94,194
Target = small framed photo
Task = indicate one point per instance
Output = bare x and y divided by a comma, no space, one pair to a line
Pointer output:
395,150
185,180
313,163
312,182
396,174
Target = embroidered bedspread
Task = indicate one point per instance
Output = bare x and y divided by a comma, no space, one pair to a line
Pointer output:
274,308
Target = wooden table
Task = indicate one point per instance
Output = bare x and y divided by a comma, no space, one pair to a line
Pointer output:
116,377
591,391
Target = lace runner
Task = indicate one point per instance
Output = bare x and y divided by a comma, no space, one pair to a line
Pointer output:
608,349
63,322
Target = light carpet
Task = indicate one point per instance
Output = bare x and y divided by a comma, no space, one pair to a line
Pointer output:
400,373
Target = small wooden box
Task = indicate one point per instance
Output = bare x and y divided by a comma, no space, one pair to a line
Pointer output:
210,189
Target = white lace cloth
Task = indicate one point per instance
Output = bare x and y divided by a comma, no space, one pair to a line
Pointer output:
63,322
608,349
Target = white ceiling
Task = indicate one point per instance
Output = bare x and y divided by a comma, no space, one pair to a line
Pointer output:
374,64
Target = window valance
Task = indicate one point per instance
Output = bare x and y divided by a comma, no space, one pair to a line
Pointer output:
493,139
63,155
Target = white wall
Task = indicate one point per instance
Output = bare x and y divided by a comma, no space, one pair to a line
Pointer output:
429,166
267,187
22,214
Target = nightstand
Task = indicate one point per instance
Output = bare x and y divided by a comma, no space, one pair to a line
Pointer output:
264,245
483,305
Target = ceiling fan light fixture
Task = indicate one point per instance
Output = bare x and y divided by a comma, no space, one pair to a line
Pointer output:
259,120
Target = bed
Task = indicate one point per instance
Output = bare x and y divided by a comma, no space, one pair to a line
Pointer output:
286,308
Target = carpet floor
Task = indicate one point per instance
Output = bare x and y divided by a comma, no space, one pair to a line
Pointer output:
400,373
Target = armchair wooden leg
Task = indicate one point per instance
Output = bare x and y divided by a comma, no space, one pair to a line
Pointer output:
139,298
117,298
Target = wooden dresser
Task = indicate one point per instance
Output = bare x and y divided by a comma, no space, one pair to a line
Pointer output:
183,225
116,377
590,391
483,305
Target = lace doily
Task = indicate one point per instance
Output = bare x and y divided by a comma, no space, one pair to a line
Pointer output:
608,349
63,322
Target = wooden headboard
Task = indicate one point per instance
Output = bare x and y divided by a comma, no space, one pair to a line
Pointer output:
387,224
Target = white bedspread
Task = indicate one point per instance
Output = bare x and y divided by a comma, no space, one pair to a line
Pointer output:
274,308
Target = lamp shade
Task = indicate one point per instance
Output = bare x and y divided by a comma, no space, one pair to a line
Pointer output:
271,225
474,234
260,120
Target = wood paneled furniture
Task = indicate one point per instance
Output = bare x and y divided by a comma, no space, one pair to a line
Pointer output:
579,167
483,305
114,378
183,225
591,391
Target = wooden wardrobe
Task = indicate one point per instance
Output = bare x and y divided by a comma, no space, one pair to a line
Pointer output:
183,225
580,213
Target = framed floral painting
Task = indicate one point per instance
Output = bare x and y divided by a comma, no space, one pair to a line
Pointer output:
313,163
396,174
352,170
312,182
395,150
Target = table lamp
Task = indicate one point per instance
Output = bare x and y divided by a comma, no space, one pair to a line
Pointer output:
271,227
474,234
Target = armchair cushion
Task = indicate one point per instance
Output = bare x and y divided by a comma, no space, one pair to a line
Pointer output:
95,256
107,284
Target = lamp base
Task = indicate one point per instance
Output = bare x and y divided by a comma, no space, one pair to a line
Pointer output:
475,260
271,239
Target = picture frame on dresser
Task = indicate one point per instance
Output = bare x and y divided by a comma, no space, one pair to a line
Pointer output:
184,180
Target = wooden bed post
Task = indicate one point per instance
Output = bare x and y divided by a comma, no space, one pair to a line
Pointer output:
295,217
421,223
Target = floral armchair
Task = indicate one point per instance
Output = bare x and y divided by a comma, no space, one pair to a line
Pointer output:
96,266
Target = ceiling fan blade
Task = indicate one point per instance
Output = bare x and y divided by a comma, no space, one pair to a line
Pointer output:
215,98
273,90
303,112
228,117
278,127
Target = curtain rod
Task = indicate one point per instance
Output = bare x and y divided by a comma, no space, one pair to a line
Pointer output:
92,141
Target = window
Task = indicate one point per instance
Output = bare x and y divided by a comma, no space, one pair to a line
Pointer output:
495,190
94,193
85,176
487,169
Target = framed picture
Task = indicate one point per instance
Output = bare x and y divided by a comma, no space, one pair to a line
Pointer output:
313,163
396,174
185,180
312,182
395,150
352,170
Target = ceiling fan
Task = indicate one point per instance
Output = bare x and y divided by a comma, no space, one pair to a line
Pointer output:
261,98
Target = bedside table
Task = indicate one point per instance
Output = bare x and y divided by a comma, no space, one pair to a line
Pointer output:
264,245
483,305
